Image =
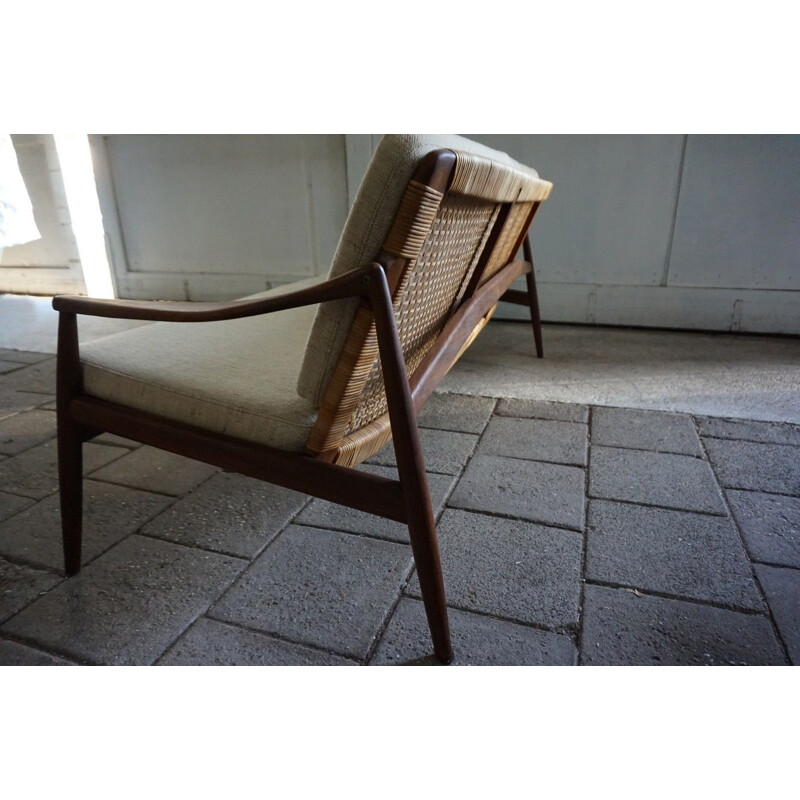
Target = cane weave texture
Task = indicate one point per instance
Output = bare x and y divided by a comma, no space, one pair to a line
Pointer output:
446,243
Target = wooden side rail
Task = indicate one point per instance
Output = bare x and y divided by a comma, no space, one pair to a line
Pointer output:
361,490
516,296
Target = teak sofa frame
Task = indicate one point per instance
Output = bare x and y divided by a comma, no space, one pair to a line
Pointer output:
81,417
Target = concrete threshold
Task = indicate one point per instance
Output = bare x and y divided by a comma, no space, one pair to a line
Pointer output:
724,375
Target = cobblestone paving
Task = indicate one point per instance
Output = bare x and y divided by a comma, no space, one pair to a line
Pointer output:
569,535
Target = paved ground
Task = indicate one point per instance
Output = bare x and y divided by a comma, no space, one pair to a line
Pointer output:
569,534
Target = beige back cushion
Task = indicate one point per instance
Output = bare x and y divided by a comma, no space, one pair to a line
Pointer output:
365,231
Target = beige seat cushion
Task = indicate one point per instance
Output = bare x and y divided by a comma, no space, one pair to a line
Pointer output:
236,377
365,231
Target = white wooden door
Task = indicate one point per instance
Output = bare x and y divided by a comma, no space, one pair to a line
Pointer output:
207,217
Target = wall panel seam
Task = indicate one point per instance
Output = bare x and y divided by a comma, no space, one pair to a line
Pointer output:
668,258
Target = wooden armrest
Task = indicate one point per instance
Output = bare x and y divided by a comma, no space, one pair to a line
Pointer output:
351,284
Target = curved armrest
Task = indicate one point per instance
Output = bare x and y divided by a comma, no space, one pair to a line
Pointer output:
351,284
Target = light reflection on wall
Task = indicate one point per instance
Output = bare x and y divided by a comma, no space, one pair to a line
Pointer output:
84,210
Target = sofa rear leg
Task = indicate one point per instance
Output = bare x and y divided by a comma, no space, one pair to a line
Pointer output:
536,321
70,481
533,300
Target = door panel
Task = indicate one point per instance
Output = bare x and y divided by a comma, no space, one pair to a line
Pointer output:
221,216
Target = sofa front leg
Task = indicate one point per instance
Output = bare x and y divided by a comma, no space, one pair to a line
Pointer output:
411,466
70,442
424,545
70,484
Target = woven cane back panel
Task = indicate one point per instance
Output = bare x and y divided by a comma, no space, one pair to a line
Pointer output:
432,286
508,240
409,231
443,238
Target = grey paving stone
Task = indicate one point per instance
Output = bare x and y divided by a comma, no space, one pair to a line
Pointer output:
34,473
128,605
770,524
110,513
119,441
782,588
547,493
672,552
13,654
645,430
319,587
156,471
11,504
456,412
322,514
213,643
20,585
536,439
445,452
620,628
762,467
768,432
540,409
230,514
9,366
40,377
24,356
659,479
12,402
477,640
509,568
23,431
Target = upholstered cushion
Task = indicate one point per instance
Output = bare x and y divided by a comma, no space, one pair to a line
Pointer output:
236,377
368,224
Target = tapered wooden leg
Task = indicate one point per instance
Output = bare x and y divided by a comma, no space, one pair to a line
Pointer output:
411,466
70,442
424,545
533,300
536,320
70,483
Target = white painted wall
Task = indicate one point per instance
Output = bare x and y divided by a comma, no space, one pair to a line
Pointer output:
695,232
